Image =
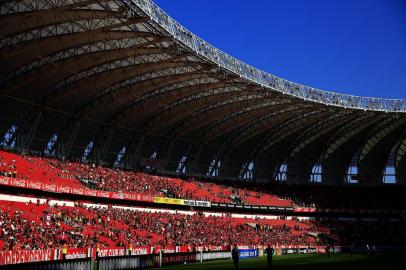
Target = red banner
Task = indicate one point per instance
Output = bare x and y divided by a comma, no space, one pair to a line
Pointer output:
5,181
49,187
103,194
63,189
111,252
116,195
115,252
138,197
27,256
78,253
18,183
34,185
169,249
91,192
183,249
78,191
141,250
304,209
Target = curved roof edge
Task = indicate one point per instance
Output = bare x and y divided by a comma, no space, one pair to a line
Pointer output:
268,81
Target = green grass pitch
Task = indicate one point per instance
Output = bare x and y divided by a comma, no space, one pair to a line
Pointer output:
306,262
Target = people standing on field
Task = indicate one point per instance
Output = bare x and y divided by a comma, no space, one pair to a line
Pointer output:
328,251
269,253
235,254
352,249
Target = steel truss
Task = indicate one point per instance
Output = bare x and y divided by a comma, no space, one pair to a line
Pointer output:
131,71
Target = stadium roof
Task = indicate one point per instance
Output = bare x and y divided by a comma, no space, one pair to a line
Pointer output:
91,79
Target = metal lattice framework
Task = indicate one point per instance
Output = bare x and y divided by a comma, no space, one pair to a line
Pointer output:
124,75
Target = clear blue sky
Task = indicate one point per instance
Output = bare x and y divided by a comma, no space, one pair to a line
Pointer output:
349,46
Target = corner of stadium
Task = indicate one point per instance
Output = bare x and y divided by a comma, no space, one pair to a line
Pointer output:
128,142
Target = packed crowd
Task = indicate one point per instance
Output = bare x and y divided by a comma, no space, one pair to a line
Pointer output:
75,174
40,226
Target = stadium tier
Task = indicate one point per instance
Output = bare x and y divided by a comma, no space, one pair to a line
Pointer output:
78,175
80,227
73,177
43,224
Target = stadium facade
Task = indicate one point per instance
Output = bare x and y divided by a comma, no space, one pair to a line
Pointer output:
120,82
